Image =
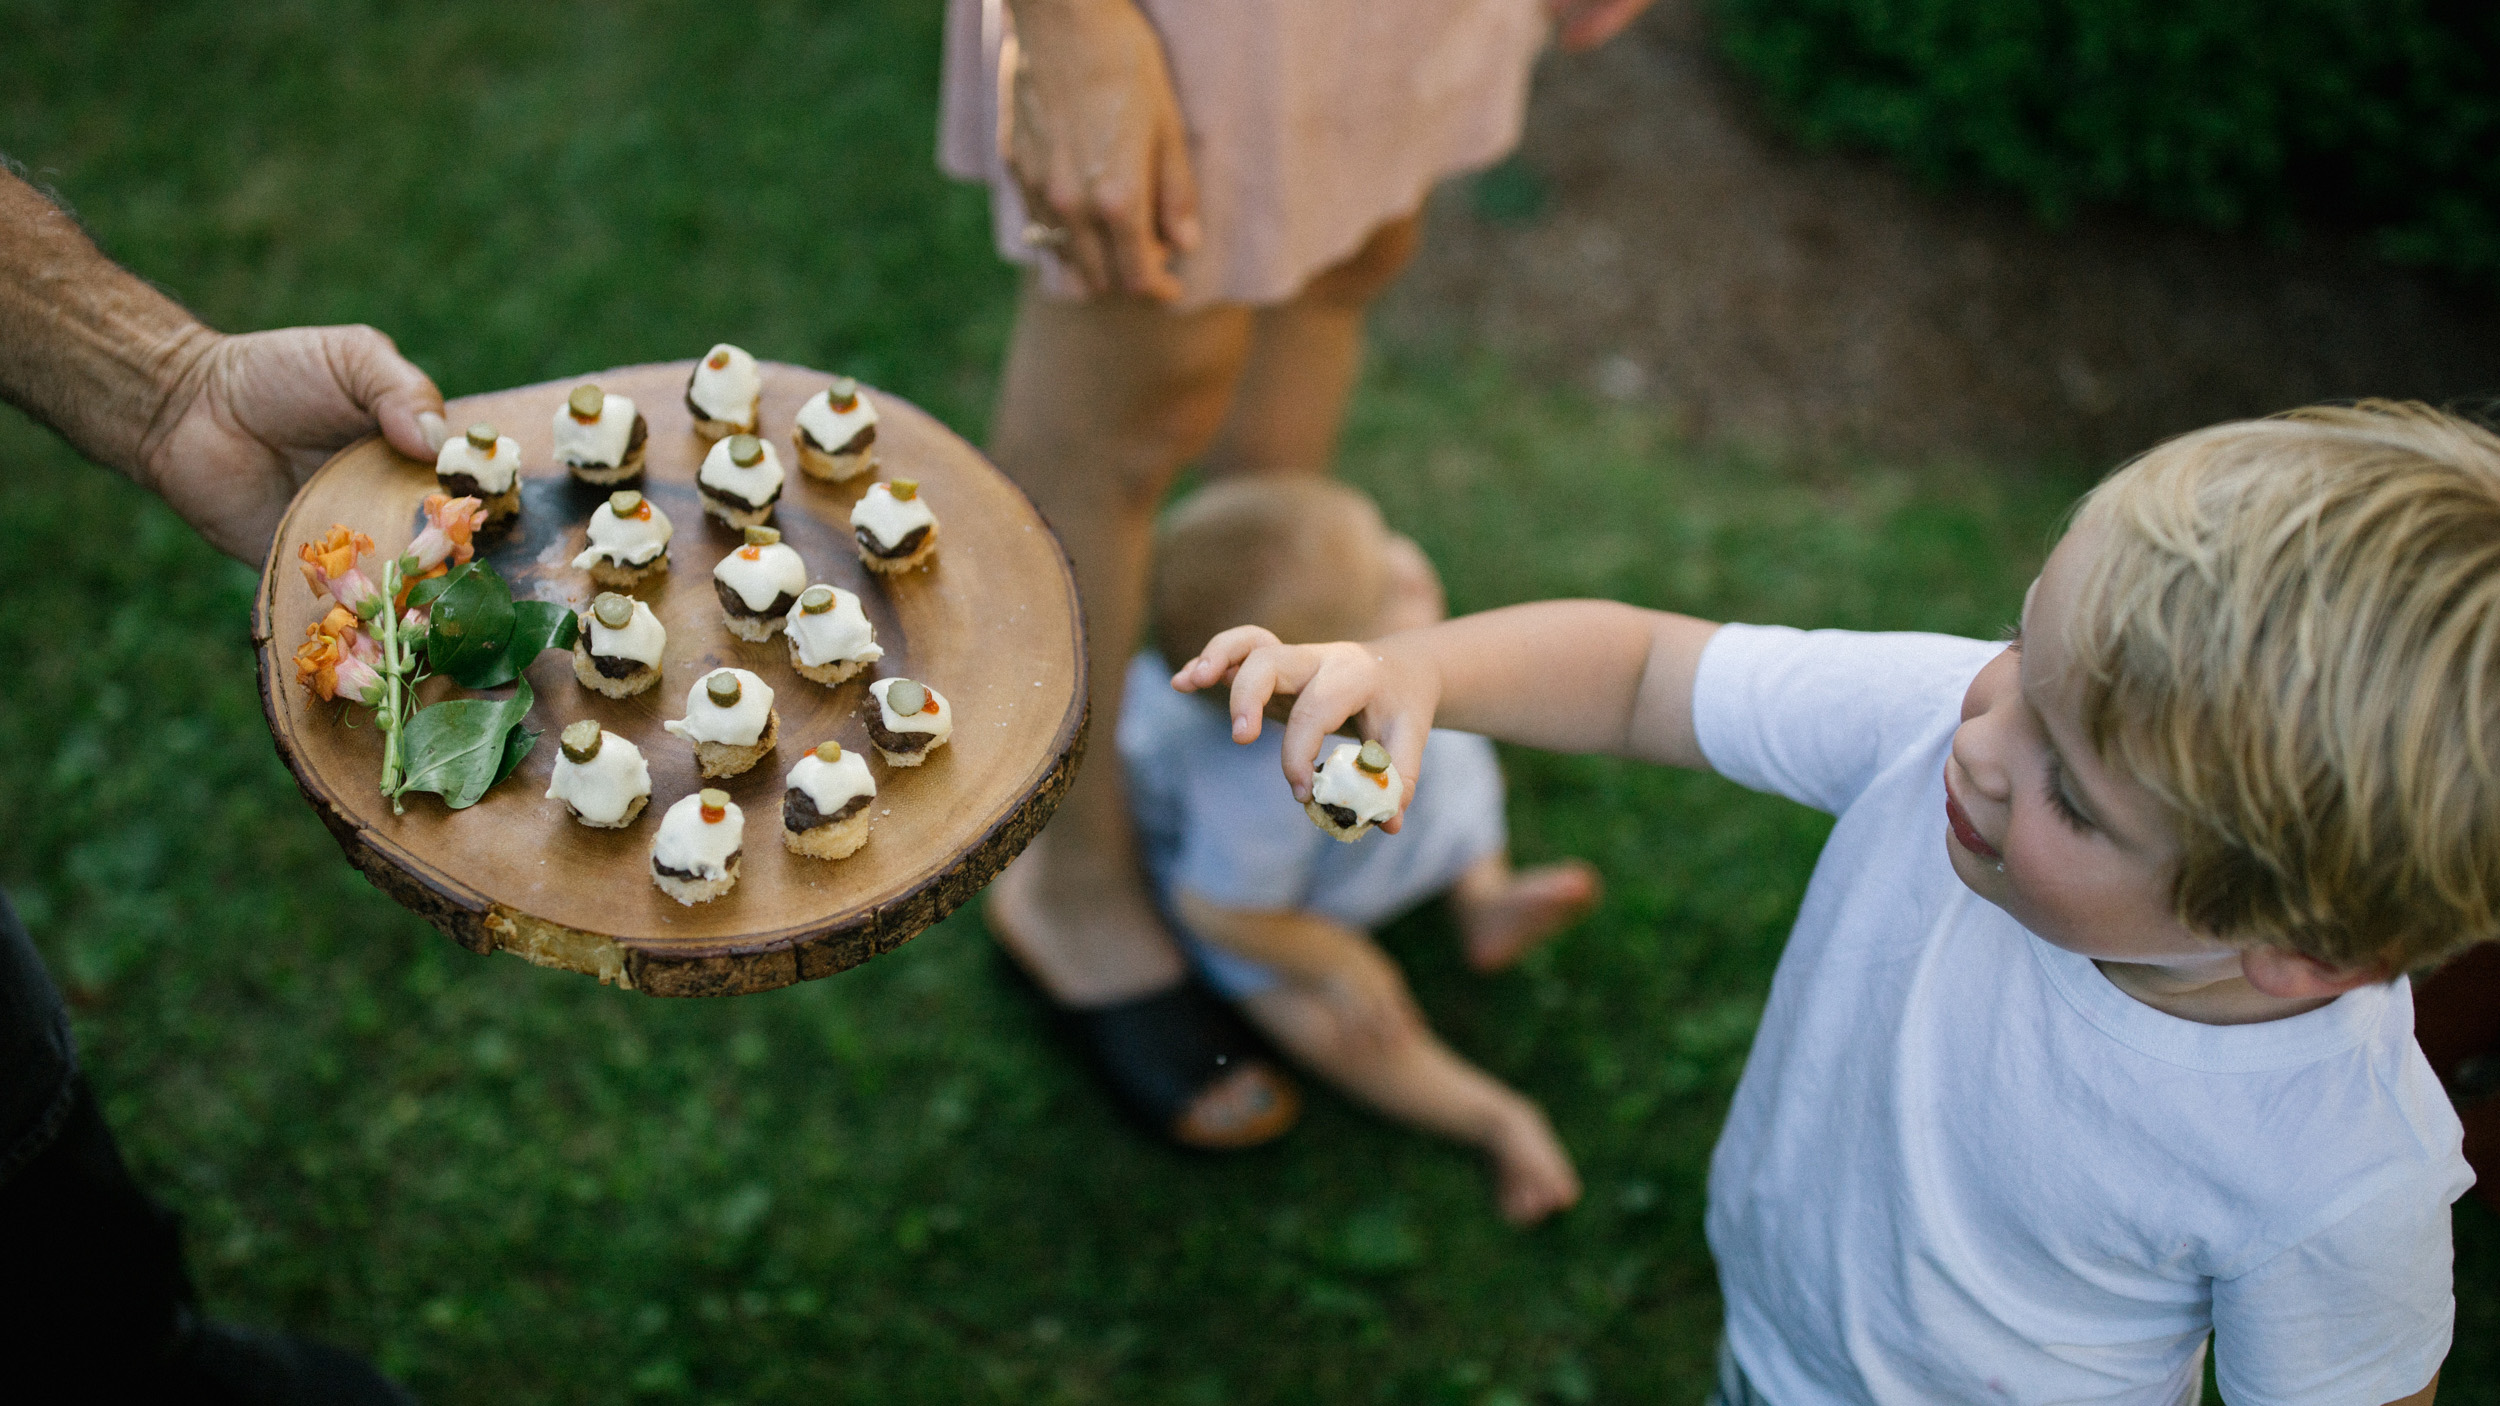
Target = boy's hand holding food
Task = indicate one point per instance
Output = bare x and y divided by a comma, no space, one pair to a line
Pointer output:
1565,676
1392,693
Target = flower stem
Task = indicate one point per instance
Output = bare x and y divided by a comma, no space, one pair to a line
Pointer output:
393,712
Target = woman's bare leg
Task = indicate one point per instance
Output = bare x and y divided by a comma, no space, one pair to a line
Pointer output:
1304,358
1102,403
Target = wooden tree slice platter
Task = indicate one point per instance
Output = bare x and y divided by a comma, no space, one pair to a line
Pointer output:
992,623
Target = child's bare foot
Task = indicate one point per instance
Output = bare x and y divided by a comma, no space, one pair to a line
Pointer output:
1534,1174
1501,919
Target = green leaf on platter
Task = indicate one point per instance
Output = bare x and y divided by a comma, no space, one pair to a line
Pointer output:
458,749
536,625
426,592
480,637
516,746
470,631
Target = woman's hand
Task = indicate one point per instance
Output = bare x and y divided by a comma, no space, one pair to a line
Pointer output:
1393,698
253,415
1097,145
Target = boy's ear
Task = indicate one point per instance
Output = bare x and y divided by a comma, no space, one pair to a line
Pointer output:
2281,972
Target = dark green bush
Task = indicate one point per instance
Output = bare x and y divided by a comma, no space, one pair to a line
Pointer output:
2376,116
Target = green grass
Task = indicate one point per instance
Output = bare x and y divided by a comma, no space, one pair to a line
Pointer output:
515,1185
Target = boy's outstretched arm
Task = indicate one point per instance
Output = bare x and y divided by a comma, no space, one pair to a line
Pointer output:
1566,676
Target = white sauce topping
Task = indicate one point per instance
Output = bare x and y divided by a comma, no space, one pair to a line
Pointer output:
1342,783
758,483
627,541
690,844
643,640
831,428
603,787
494,469
840,634
728,393
599,444
833,785
941,722
759,582
889,519
739,724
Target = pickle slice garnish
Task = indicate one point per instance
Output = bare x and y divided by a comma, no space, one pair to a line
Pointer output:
612,610
581,741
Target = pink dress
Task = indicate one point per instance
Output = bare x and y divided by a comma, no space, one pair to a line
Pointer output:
1311,123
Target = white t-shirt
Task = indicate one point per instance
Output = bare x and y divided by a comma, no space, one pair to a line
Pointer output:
1963,1166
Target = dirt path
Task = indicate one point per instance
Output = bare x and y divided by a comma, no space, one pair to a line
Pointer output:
1691,257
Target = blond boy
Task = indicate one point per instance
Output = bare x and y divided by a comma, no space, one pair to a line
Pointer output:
2092,1038
1276,914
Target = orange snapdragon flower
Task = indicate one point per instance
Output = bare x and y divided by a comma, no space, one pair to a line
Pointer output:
317,662
444,542
332,557
330,641
451,524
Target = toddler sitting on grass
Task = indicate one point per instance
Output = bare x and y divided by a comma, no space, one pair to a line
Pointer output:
2092,1041
1274,912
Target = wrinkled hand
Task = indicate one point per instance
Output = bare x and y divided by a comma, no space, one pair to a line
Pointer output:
1097,145
1393,700
256,413
1584,24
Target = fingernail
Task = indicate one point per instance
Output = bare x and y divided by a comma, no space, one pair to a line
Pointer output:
434,428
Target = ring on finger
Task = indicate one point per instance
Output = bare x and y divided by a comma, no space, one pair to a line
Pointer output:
1037,235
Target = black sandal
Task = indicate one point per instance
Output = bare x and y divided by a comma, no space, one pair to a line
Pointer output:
1181,1062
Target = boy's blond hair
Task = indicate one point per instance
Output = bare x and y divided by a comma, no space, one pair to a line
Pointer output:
1301,555
2291,634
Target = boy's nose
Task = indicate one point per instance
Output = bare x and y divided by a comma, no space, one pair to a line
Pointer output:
1978,756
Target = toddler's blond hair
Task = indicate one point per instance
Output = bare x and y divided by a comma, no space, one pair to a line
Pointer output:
1300,555
2291,634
